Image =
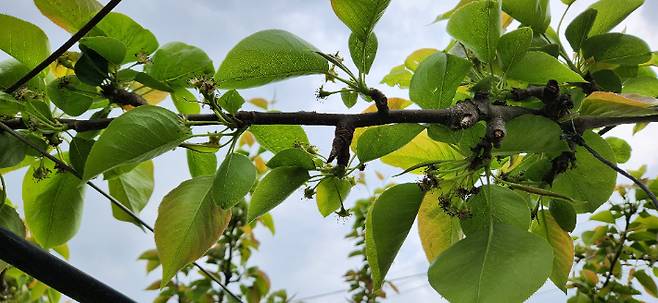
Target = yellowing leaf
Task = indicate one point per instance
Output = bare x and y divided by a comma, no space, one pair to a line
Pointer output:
418,56
563,250
437,230
421,149
259,102
188,224
247,139
609,104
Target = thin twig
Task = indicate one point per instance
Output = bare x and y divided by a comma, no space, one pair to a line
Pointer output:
637,182
620,249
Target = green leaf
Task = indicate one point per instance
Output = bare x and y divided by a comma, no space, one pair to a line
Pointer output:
645,86
647,282
464,139
79,151
617,48
563,250
349,97
477,25
611,13
148,81
11,221
500,264
133,189
603,216
12,70
379,141
92,68
292,157
275,187
201,164
533,13
70,15
138,40
436,79
590,181
421,149
436,229
607,80
231,101
363,52
111,49
331,193
620,148
185,101
279,137
579,29
188,224
564,214
399,76
387,226
448,14
269,56
134,137
176,63
9,106
233,180
413,61
71,95
545,67
532,134
607,104
53,206
360,15
513,46
494,205
12,151
23,40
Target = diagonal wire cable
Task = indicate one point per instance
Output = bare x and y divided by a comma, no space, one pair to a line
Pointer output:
114,201
45,63
66,46
339,291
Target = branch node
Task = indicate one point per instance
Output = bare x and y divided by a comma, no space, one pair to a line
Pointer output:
496,130
341,145
464,115
380,100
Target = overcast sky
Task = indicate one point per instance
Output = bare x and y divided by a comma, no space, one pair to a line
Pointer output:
308,254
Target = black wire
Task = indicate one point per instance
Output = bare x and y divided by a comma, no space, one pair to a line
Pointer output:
606,129
114,201
66,46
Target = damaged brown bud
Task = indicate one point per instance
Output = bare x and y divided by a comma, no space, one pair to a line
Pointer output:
121,96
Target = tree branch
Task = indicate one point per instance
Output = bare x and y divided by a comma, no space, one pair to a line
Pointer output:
463,115
451,117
